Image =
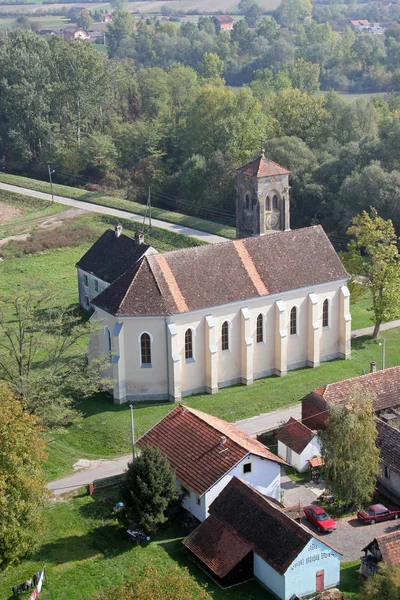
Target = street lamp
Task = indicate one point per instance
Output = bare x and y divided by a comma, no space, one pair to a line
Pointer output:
383,344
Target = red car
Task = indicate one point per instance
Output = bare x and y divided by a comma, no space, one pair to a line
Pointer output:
318,517
377,512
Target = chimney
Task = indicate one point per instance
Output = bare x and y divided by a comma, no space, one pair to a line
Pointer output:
118,230
139,237
372,366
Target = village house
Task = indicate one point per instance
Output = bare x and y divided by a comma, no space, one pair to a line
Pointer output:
199,319
388,442
248,536
223,22
75,33
385,548
297,444
206,452
366,26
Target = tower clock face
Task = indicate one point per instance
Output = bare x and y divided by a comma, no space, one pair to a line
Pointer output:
272,220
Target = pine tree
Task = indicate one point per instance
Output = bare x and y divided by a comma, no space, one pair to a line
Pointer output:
149,491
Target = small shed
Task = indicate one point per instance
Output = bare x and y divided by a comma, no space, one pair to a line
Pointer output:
297,443
385,548
315,468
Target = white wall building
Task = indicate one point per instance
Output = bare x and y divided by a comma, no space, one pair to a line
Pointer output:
297,444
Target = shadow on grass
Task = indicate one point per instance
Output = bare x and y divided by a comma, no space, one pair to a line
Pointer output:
350,578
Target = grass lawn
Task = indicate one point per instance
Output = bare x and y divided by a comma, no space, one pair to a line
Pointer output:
104,200
31,210
85,550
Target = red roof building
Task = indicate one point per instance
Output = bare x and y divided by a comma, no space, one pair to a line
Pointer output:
297,444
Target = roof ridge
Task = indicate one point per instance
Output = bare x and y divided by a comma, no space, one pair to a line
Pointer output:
358,377
132,282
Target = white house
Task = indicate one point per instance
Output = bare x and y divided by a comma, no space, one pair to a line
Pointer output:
198,319
247,535
206,452
297,444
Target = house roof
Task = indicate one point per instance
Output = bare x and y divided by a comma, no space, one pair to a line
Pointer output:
383,385
224,18
215,274
316,461
201,448
262,167
388,442
111,256
295,435
389,547
254,521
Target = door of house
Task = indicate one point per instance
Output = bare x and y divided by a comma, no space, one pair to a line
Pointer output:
288,455
320,581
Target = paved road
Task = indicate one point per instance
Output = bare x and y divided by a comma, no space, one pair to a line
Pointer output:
203,236
369,330
269,421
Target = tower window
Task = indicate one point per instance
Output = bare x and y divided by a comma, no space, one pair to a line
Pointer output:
260,329
225,336
325,313
188,344
268,203
145,349
248,200
108,341
293,321
275,202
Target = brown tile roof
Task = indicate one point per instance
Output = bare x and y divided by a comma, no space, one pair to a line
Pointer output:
224,18
219,548
201,448
253,520
389,547
262,167
217,274
110,257
295,435
317,461
388,442
383,385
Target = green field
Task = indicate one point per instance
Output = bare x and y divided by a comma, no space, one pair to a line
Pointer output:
45,22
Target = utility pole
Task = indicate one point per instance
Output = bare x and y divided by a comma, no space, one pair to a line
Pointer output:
133,432
383,344
51,181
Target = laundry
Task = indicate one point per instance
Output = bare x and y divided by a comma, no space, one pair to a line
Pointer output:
36,581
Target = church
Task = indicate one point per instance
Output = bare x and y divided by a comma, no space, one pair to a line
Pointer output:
203,318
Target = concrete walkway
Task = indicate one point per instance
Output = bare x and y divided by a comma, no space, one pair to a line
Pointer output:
202,236
368,330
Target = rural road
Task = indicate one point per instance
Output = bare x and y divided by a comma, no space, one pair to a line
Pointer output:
202,236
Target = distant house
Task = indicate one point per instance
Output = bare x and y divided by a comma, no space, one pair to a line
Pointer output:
385,548
75,33
106,261
206,452
247,535
388,443
297,444
365,25
107,18
46,32
224,22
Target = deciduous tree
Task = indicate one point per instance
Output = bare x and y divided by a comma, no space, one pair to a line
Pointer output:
384,585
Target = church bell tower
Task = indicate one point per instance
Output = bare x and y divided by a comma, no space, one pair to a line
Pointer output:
262,198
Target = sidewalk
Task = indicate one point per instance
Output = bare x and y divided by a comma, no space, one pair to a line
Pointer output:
368,330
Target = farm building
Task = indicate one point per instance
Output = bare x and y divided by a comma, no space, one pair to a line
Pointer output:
297,444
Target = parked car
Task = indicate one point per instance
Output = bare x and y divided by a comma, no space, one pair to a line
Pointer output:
318,517
377,512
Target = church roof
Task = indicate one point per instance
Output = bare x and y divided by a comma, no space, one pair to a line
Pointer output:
262,167
195,278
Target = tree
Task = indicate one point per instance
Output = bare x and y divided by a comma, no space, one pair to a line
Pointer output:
349,451
290,12
84,19
120,28
305,76
383,585
253,14
149,491
22,484
376,241
42,357
211,68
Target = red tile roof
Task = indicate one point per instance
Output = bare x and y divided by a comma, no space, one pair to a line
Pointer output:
389,547
201,277
317,461
224,18
295,435
201,448
388,442
251,519
262,167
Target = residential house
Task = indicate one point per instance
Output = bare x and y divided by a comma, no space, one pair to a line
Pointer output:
361,24
385,548
109,257
297,444
384,387
202,318
107,17
388,442
223,22
247,535
75,33
206,452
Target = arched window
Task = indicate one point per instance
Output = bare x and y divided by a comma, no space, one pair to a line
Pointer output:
188,344
275,202
107,336
260,328
145,349
325,313
268,203
225,336
293,321
248,200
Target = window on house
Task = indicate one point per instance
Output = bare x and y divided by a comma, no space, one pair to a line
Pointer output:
87,301
184,490
260,328
225,336
198,501
188,344
268,203
325,313
145,349
246,468
107,335
96,285
86,280
387,472
293,321
275,202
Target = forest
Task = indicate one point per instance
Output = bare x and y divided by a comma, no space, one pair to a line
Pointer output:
149,117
